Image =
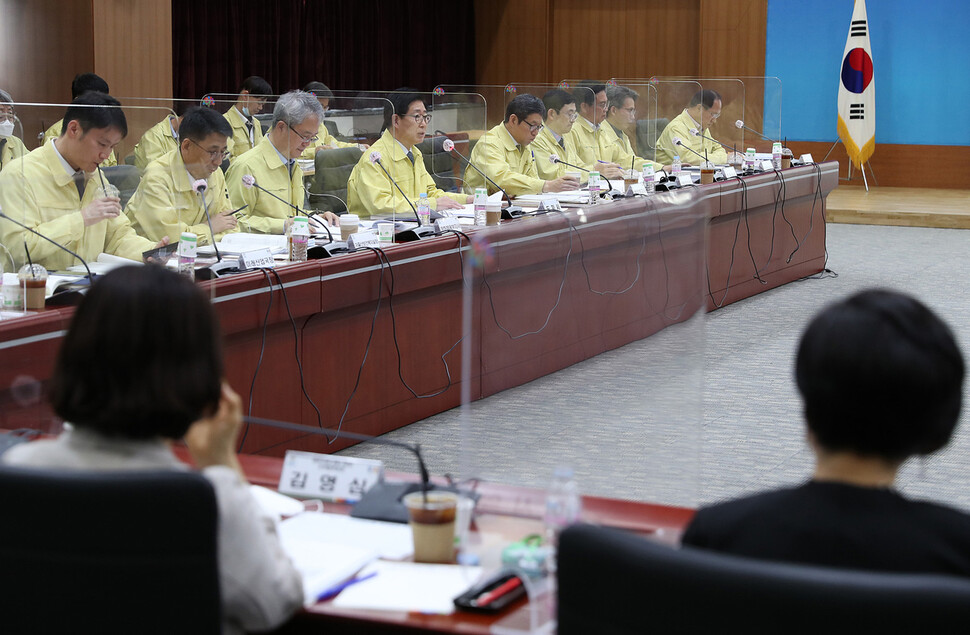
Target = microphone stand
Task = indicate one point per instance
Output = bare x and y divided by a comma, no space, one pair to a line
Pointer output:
383,500
558,160
53,242
509,212
418,232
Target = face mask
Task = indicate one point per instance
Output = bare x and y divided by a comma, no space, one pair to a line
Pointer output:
246,111
6,128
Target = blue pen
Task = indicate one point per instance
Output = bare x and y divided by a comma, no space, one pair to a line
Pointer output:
334,590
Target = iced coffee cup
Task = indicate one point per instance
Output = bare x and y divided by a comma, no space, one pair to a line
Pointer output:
348,225
493,212
33,278
432,523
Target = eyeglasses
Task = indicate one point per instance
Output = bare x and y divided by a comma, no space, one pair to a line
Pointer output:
631,109
8,116
534,128
309,139
714,116
418,118
573,116
222,155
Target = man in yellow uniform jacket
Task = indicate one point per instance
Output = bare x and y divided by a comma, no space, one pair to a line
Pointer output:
83,82
267,178
591,102
503,153
54,190
370,192
246,130
325,140
615,145
560,114
158,140
166,202
11,147
703,110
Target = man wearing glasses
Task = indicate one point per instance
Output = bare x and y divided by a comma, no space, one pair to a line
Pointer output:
700,114
503,155
246,130
278,194
166,204
560,114
614,142
11,147
591,101
370,192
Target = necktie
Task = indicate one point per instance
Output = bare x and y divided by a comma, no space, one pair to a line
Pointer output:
411,157
562,143
80,183
289,166
249,127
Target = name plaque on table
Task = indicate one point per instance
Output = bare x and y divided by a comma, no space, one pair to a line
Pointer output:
806,158
338,479
767,166
256,259
363,239
447,224
729,172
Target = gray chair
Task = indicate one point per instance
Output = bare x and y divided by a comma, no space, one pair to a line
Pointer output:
124,177
108,552
615,583
332,170
439,164
648,131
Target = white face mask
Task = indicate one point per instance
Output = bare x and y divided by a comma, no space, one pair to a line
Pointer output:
6,128
246,111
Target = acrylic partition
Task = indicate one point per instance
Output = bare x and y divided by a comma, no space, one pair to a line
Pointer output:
761,124
459,120
632,116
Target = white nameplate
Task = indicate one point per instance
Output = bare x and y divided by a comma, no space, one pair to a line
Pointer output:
684,179
363,239
636,189
766,166
729,172
550,204
448,224
806,158
340,479
256,259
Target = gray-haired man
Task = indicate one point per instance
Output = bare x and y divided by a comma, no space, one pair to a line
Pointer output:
272,164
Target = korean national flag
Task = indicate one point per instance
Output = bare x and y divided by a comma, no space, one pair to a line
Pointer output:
857,91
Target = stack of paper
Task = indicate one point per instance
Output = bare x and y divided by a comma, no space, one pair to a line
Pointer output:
406,586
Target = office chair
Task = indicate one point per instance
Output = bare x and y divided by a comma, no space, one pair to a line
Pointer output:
612,582
332,170
648,131
95,552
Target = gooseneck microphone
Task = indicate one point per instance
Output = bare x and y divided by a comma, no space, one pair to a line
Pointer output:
53,242
449,146
249,181
554,158
375,158
199,186
677,142
740,126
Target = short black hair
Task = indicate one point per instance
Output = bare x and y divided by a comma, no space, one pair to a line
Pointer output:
523,106
586,92
198,123
706,97
256,85
881,375
319,90
142,357
84,82
399,101
617,96
85,110
556,99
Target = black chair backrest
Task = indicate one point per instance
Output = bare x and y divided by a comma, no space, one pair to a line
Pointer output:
439,163
332,170
118,552
613,582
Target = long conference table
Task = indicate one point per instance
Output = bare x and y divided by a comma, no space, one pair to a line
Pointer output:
758,232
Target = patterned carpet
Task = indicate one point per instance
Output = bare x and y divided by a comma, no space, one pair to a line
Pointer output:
705,410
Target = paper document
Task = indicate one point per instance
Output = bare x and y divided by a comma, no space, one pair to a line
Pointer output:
389,540
276,504
54,281
235,244
323,565
104,264
407,586
572,196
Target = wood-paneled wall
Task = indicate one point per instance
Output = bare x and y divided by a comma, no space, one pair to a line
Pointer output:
545,41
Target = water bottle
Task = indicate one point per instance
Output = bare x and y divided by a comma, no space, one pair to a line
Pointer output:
594,187
750,159
297,239
424,210
648,183
675,166
188,248
563,504
776,155
481,199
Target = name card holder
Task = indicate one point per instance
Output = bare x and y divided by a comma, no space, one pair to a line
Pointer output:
729,172
443,225
766,166
363,239
256,259
338,479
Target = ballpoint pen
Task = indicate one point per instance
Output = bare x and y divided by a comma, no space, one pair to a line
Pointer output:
334,590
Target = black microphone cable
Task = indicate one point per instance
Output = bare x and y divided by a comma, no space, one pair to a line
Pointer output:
259,360
582,261
737,230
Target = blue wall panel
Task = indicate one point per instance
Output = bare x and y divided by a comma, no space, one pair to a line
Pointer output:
921,60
